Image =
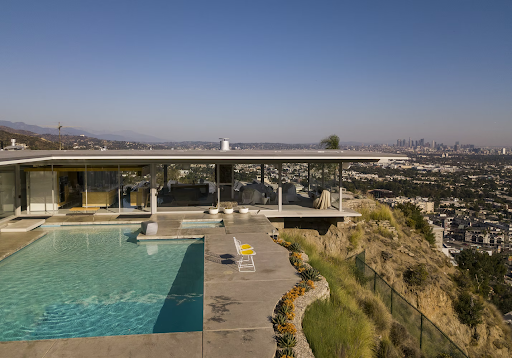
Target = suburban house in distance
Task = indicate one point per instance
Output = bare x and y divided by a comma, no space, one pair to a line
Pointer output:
36,183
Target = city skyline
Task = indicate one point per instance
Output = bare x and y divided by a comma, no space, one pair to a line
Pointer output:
290,72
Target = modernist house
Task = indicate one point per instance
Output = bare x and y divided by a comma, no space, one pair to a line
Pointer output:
36,183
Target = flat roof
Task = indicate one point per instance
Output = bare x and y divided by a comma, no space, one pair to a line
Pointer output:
192,156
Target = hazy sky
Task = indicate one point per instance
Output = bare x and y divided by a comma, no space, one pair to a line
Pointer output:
262,71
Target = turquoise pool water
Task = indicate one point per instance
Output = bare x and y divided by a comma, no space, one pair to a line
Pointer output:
198,224
96,281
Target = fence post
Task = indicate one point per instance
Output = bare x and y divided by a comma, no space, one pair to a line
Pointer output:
374,281
421,331
391,301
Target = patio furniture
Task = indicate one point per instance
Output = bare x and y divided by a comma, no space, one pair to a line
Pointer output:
149,228
246,252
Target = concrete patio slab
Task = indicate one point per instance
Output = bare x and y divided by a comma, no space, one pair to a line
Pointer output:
23,225
11,242
244,343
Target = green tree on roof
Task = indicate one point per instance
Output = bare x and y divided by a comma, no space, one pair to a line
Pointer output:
330,142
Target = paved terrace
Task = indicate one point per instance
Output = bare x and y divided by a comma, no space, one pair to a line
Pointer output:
236,305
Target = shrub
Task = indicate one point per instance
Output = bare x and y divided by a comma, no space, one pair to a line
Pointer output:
279,319
377,312
355,236
287,340
295,247
285,353
398,334
469,309
411,351
310,274
416,275
385,349
304,285
295,261
287,327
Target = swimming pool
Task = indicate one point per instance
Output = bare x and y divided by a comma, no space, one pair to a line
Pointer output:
91,281
201,224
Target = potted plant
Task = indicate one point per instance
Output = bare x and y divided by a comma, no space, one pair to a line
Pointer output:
243,210
228,208
213,210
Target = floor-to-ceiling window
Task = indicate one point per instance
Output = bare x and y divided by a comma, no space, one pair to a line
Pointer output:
185,186
7,193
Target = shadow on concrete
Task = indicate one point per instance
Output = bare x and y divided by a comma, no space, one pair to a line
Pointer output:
183,307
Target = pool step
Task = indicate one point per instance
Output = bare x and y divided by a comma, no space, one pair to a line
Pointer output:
23,225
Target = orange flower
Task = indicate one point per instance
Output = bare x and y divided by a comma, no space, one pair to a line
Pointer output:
287,327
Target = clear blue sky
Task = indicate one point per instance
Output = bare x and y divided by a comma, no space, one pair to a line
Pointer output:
262,71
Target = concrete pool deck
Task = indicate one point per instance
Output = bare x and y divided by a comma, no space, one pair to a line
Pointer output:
236,306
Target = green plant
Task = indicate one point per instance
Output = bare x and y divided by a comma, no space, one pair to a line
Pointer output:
377,312
279,319
385,349
286,340
416,275
295,261
398,334
469,309
303,284
295,247
284,309
285,353
310,274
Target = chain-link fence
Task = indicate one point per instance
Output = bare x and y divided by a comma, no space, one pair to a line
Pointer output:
432,341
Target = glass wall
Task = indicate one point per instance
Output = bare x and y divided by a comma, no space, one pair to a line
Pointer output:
7,193
135,188
181,186
102,189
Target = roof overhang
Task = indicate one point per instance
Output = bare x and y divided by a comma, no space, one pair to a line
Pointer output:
80,157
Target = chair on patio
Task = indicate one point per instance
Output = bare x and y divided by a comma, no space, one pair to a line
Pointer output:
246,252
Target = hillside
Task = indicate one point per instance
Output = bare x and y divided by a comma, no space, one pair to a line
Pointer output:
393,255
32,141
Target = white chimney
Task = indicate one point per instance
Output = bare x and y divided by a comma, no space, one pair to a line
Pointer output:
224,144
13,142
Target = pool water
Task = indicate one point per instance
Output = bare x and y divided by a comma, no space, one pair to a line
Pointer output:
201,224
96,281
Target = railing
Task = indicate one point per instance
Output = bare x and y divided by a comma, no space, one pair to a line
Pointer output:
432,341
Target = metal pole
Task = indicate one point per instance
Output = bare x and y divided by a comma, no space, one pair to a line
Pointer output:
53,193
421,331
391,301
17,190
280,187
86,204
218,184
262,173
340,202
309,177
119,198
323,176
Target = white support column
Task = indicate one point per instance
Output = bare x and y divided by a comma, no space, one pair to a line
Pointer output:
17,190
153,193
280,187
340,204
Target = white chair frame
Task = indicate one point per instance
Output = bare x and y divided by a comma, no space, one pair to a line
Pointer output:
246,262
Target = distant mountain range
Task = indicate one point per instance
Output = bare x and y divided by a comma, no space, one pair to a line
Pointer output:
122,135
